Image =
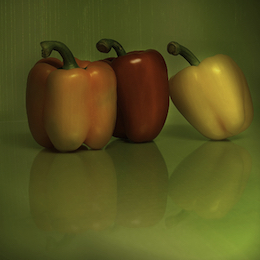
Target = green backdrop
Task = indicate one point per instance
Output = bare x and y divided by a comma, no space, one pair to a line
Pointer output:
206,27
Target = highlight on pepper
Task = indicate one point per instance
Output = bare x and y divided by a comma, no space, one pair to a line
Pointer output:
213,95
71,102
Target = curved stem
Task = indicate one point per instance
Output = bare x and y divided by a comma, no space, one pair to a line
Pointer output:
69,61
105,46
175,48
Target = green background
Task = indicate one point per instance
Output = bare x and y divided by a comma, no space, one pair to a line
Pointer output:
229,179
205,27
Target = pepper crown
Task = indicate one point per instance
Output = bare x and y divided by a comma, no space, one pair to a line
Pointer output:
175,49
105,46
69,61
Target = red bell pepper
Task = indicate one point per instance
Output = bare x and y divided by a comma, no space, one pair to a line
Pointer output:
70,103
142,91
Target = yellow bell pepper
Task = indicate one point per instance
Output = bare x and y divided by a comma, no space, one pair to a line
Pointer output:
213,95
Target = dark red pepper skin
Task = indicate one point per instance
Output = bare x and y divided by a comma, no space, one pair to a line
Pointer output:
143,95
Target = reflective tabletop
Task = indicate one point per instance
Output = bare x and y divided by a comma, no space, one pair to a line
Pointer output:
179,197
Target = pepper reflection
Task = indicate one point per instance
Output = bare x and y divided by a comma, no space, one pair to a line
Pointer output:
73,192
142,178
211,180
125,184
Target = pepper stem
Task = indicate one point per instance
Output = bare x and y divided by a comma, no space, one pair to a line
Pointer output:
175,48
105,46
69,61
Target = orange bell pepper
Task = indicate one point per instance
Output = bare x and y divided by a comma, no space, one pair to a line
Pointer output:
70,103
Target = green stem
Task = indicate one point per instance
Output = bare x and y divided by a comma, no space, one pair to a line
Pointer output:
105,46
69,61
175,48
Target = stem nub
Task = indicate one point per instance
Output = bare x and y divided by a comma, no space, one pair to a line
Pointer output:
175,49
105,46
69,61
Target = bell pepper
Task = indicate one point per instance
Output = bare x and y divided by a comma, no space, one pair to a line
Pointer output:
213,95
142,91
70,103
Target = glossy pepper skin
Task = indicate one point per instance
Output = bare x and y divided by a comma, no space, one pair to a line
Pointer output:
142,91
69,104
213,95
